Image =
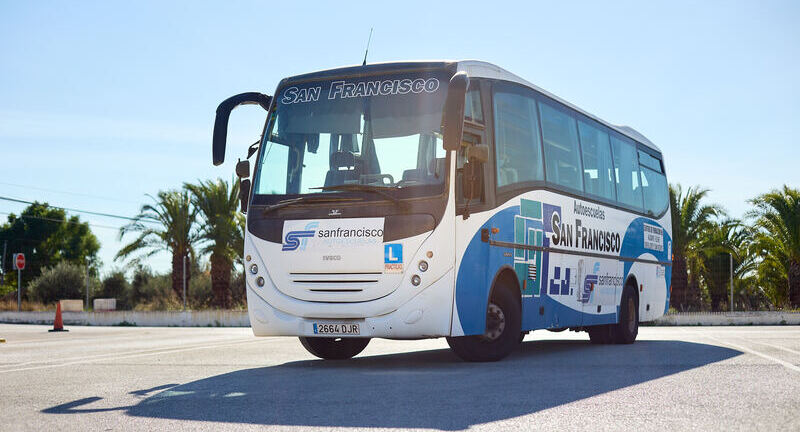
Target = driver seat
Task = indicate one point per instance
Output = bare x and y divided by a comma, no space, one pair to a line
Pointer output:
343,169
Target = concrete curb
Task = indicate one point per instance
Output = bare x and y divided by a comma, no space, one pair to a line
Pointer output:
227,318
729,319
206,318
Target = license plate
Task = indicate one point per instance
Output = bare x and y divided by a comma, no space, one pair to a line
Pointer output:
337,329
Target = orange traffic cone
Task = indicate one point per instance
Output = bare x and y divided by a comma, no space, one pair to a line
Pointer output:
58,324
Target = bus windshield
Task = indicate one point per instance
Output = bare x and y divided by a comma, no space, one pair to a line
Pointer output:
370,132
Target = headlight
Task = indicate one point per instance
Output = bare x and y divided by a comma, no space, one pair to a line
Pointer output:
415,280
423,266
260,281
253,269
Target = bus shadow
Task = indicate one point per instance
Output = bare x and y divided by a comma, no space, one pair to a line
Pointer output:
428,389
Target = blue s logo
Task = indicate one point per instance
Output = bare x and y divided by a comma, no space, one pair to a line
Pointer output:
297,239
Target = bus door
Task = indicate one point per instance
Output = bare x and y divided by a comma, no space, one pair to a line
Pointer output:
467,223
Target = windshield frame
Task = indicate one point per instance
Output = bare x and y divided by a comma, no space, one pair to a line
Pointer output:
438,191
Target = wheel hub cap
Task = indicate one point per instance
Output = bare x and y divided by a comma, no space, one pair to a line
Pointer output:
495,322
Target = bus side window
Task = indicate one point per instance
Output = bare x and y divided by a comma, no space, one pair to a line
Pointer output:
626,168
473,111
518,151
598,169
654,184
473,127
562,159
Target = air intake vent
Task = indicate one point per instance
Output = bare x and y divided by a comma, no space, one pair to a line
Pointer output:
335,282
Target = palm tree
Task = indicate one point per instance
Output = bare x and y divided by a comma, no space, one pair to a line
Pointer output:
723,241
166,225
777,218
690,218
221,232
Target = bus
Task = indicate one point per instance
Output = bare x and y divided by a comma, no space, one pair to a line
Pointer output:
452,199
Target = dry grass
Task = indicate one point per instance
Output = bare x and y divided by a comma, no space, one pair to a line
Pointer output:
28,306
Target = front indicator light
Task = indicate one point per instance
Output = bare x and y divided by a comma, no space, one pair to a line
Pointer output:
415,280
253,269
423,266
260,281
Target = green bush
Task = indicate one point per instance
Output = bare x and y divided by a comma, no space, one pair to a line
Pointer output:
116,286
199,294
238,290
156,294
141,277
62,281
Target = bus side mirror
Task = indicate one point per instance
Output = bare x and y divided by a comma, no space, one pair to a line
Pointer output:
223,114
454,111
244,194
243,169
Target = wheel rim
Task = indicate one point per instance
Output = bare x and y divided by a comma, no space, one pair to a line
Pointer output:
495,322
631,316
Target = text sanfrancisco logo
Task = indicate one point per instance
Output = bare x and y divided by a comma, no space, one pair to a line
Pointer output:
299,239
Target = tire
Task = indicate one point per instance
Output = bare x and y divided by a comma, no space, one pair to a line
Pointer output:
329,348
600,334
503,330
627,329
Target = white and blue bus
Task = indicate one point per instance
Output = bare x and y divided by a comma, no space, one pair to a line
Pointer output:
427,199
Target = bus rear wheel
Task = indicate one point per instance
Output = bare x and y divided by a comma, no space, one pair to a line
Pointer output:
503,331
628,328
330,348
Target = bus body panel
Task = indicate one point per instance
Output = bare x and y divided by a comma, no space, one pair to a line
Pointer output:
559,290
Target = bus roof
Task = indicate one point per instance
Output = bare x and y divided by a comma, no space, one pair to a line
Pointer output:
475,69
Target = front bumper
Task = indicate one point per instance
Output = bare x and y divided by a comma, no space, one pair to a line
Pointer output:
427,314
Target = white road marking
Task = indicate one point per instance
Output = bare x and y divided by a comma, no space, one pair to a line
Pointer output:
124,356
785,364
778,347
99,356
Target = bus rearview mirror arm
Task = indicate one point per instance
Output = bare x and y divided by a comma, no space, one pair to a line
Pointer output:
454,111
244,194
223,114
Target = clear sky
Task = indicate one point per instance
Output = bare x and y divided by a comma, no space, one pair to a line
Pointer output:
104,102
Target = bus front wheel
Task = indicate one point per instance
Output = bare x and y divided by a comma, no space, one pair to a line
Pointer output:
330,348
600,335
502,335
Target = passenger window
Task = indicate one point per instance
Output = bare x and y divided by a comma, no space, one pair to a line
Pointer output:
654,185
626,168
560,136
648,161
598,169
473,111
519,151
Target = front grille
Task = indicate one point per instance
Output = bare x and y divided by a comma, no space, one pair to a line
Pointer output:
336,282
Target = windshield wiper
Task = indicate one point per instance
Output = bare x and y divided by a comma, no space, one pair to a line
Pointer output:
380,190
288,202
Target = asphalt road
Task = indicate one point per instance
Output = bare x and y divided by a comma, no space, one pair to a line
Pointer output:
176,379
